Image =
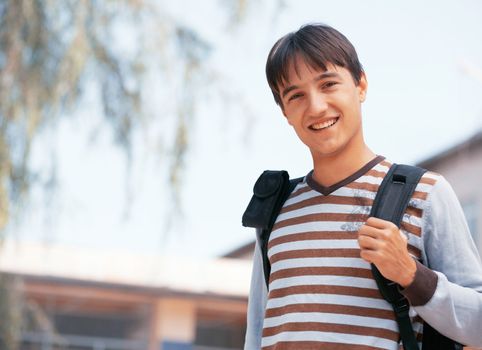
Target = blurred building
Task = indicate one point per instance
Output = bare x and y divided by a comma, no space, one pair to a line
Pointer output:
91,300
461,165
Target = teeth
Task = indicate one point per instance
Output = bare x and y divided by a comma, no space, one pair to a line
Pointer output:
325,124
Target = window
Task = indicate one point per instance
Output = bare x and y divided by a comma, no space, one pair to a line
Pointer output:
74,324
220,331
108,326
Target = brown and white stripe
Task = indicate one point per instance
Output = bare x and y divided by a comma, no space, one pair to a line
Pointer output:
321,293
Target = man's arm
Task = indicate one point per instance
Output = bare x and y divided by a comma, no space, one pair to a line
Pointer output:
256,303
448,294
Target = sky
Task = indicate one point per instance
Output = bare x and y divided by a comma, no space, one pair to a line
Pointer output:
423,62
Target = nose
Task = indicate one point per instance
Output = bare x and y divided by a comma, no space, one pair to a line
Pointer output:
317,104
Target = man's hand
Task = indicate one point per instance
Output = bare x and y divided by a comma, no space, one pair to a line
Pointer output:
383,244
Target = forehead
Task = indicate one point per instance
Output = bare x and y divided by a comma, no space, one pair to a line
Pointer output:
298,68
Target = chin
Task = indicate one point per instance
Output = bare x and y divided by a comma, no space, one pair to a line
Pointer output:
328,150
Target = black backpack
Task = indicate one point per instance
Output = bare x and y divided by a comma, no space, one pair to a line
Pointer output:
273,188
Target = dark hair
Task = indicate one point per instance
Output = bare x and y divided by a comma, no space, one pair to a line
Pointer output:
317,45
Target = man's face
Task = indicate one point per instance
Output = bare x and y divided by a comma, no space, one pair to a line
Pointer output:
324,108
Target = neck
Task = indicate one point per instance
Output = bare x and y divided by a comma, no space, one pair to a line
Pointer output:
331,169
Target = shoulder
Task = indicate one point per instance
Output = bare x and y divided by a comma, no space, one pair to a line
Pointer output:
436,190
434,193
429,183
442,212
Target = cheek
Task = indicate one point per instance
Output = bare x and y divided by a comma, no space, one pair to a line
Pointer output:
294,113
292,116
352,106
289,121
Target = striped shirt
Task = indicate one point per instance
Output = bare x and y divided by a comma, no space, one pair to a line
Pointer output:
321,293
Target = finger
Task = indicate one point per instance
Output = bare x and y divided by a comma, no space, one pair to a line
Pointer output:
404,238
369,231
368,255
379,223
369,243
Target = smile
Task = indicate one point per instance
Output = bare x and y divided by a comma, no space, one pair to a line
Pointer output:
324,125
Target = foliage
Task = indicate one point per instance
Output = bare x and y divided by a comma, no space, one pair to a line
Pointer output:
53,52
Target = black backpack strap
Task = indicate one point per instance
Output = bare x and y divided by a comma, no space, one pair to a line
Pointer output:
269,194
390,204
433,340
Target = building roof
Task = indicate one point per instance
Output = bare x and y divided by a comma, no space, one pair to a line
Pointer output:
470,143
246,250
220,277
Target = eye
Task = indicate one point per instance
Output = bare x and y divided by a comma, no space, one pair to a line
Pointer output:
329,84
295,96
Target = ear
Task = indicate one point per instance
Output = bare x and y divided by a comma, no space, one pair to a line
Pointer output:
363,87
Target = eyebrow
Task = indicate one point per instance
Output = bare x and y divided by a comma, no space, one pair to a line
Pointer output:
318,78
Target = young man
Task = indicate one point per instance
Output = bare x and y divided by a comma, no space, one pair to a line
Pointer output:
321,291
